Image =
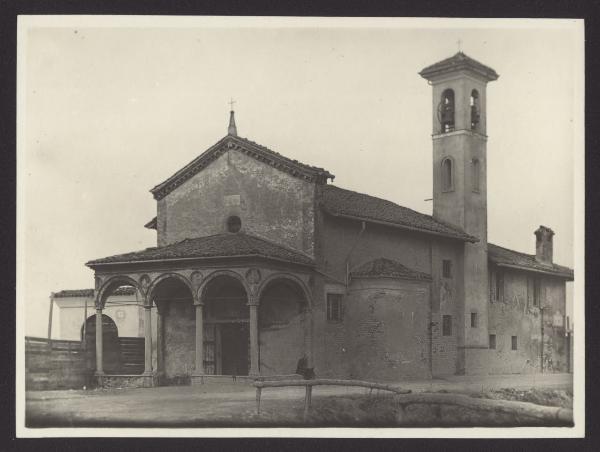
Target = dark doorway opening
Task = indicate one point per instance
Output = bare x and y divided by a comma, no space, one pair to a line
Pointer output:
234,349
111,353
226,328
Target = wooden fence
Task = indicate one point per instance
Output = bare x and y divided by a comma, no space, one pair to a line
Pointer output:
308,384
54,364
62,364
405,397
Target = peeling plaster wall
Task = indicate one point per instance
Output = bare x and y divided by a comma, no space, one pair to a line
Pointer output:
514,316
447,299
281,346
282,331
386,324
341,235
180,333
270,203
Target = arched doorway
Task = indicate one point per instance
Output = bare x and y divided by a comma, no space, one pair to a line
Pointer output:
283,327
226,327
176,347
111,356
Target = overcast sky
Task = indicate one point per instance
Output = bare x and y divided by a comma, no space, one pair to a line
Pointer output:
109,112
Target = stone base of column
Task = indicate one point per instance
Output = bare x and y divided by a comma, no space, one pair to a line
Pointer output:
197,379
128,381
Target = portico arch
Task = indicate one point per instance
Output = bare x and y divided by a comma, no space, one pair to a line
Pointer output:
113,283
291,278
105,290
285,324
172,294
226,325
216,274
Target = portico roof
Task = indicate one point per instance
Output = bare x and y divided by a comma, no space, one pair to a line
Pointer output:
388,268
226,245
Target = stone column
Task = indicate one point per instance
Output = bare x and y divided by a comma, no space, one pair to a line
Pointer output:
160,339
99,344
254,365
148,339
199,339
309,338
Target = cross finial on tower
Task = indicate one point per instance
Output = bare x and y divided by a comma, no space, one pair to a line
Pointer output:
232,129
459,43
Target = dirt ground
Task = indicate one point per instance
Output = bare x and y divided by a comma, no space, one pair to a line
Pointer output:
231,405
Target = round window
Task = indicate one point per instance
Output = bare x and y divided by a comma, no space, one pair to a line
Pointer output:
234,224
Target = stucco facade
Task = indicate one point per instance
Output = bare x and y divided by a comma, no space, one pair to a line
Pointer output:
263,267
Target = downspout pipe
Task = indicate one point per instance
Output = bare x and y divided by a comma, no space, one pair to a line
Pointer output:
363,226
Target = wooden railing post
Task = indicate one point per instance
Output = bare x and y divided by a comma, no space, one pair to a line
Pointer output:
307,400
258,394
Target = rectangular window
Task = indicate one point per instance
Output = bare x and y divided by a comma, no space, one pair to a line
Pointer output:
335,311
447,268
513,340
499,295
474,320
446,325
493,341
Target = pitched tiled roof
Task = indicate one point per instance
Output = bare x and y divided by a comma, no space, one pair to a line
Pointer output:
346,203
90,292
151,224
220,245
457,62
505,257
387,268
261,153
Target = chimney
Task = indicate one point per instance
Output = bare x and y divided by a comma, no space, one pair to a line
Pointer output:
543,245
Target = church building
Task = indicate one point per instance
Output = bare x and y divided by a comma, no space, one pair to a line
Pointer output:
262,262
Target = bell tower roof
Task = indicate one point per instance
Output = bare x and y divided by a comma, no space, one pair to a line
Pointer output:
458,62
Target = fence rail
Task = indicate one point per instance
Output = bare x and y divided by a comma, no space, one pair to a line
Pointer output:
308,384
405,397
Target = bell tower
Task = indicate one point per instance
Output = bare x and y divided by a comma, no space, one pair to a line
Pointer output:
459,185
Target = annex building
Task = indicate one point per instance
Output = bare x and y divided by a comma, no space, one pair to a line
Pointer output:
262,262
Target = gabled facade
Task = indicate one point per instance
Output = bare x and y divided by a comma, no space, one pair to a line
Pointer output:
263,267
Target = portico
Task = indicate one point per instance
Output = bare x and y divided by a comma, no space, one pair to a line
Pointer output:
209,315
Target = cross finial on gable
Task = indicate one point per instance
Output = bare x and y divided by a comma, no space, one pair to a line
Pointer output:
459,44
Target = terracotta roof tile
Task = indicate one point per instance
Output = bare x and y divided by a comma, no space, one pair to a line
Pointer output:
89,293
341,202
387,268
507,257
220,245
261,153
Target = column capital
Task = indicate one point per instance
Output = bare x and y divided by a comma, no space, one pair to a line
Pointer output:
198,303
98,310
147,307
252,301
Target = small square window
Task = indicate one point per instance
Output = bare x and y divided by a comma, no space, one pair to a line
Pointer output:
335,311
446,325
447,268
474,320
513,340
493,341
